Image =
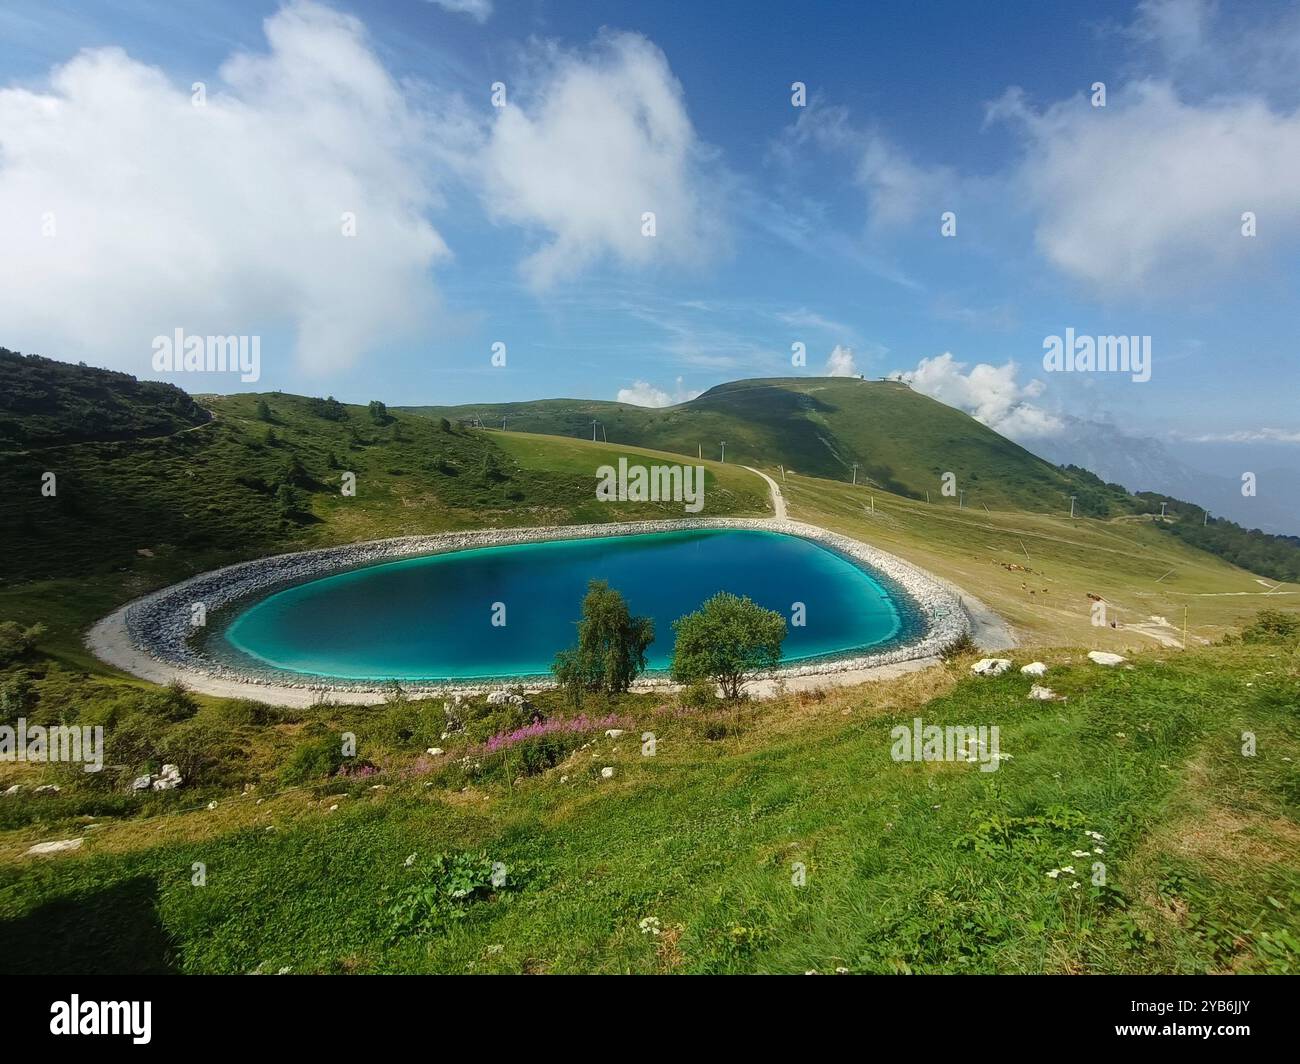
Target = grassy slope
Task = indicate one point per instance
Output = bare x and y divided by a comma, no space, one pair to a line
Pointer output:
1136,568
821,426
910,867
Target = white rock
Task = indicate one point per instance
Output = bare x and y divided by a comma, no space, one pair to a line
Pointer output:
613,733
1040,693
13,790
48,788
1034,668
212,805
61,846
434,751
141,783
607,772
1102,657
991,666
498,698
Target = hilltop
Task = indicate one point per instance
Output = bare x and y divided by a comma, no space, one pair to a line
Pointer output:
900,440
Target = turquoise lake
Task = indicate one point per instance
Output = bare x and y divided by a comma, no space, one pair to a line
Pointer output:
430,618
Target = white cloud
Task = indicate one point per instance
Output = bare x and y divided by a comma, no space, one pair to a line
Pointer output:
1152,186
605,139
898,189
478,10
840,363
1248,436
990,394
642,393
220,219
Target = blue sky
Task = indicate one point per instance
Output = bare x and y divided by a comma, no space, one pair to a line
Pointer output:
775,224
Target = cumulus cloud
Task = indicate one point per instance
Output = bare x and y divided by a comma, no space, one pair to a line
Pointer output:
1149,191
604,140
1153,183
643,393
990,394
840,363
478,10
129,212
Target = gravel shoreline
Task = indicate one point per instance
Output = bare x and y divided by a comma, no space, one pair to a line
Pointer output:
152,636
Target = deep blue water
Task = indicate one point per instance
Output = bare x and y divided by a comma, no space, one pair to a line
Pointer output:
430,617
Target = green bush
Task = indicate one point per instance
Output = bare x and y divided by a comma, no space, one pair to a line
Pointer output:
1272,626
699,694
313,760
16,641
207,754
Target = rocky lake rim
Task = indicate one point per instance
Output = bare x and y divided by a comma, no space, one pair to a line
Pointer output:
152,637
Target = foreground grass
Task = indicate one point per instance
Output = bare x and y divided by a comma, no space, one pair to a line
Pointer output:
933,867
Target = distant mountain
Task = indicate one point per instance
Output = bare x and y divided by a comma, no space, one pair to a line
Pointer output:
1142,463
900,440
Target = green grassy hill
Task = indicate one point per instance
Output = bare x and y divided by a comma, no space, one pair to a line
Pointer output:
902,441
44,403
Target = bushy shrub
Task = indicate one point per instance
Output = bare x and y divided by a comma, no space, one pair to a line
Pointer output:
207,754
700,694
1272,626
314,759
248,711
17,641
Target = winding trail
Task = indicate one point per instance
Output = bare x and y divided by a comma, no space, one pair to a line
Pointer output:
778,500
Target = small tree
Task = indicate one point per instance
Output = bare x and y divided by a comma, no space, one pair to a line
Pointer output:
611,645
378,412
263,410
728,639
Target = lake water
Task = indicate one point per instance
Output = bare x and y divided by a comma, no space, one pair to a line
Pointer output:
430,618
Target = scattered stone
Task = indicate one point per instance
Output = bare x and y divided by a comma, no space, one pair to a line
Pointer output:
1034,668
13,790
434,751
1040,693
1102,657
410,860
48,788
498,698
607,772
333,807
494,950
141,783
991,666
60,846
212,805
169,779
613,733
564,779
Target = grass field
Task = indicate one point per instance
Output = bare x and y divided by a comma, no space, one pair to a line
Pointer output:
908,867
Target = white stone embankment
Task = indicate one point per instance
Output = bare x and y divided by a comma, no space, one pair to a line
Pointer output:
153,637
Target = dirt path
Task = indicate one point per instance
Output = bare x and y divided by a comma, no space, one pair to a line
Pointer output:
778,500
